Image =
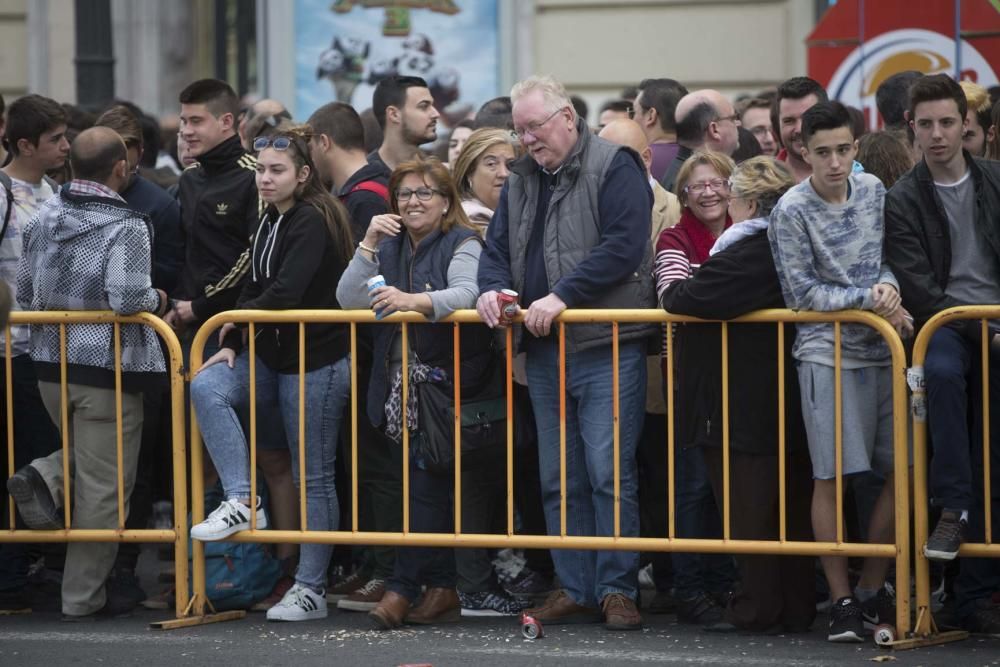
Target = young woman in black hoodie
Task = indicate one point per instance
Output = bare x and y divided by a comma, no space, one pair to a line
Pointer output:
302,245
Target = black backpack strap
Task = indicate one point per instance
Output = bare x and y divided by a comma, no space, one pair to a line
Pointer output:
8,187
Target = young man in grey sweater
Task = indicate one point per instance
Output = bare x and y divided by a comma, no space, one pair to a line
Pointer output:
826,237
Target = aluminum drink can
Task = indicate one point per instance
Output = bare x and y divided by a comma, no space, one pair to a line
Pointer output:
507,301
530,628
374,283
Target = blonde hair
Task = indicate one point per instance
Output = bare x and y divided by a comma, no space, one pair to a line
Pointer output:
977,97
722,163
553,93
478,143
761,179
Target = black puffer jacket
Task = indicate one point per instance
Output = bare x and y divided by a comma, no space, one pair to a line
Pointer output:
734,282
219,214
918,242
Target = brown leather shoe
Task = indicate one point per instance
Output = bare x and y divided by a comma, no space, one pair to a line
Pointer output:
620,613
560,609
390,612
440,605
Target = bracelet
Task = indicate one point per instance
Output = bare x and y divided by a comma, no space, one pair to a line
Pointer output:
362,246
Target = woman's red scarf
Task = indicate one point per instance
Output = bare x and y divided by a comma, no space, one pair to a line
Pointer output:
701,239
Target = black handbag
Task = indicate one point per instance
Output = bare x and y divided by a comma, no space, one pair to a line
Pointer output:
483,420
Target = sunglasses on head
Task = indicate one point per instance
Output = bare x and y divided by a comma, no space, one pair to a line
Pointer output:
277,143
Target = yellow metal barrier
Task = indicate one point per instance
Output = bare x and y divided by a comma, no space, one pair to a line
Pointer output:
899,550
178,535
925,627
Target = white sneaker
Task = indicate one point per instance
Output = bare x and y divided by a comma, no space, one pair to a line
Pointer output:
299,604
230,517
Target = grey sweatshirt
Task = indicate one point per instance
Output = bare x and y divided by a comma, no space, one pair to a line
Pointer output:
828,257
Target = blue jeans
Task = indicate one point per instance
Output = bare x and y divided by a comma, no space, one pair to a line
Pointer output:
951,383
217,391
589,576
954,386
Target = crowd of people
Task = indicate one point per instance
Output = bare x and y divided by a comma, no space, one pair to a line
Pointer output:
682,200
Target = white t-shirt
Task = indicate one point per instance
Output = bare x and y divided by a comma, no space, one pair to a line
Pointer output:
28,197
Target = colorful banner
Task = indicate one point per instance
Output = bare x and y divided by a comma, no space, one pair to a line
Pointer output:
857,46
343,48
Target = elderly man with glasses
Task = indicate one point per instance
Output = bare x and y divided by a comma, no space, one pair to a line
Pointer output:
572,231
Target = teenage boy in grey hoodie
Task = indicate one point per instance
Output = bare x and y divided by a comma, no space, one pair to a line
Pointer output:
826,237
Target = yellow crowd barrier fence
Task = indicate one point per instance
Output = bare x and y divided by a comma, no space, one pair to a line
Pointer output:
176,535
925,625
899,549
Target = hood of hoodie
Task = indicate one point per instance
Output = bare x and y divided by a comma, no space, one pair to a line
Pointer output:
67,216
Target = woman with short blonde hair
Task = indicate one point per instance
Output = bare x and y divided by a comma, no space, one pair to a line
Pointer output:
480,171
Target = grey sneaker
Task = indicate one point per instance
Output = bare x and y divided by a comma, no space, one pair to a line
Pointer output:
948,535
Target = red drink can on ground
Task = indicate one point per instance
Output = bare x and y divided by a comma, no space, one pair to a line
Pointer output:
507,300
531,628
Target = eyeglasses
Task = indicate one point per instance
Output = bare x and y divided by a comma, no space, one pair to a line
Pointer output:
735,118
533,128
716,184
277,143
630,112
423,194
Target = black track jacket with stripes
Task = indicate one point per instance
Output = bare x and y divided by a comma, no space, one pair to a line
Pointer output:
219,214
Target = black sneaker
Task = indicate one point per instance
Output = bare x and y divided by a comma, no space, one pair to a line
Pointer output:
984,620
33,499
702,609
846,623
14,602
529,584
663,602
948,535
123,591
880,609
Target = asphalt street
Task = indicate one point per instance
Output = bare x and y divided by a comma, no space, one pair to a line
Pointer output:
347,639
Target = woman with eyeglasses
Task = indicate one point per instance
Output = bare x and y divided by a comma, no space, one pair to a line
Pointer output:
301,248
480,171
776,593
700,581
428,253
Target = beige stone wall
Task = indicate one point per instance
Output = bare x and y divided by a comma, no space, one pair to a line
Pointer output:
598,47
13,48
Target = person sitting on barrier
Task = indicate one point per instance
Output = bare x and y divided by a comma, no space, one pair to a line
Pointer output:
943,245
301,248
775,593
701,581
428,253
87,250
826,237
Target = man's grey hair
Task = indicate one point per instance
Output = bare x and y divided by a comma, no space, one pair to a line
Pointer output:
553,92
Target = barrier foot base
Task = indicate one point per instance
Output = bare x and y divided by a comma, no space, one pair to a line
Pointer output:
15,612
190,621
930,640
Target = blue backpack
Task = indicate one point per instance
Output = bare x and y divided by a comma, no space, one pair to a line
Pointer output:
237,574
